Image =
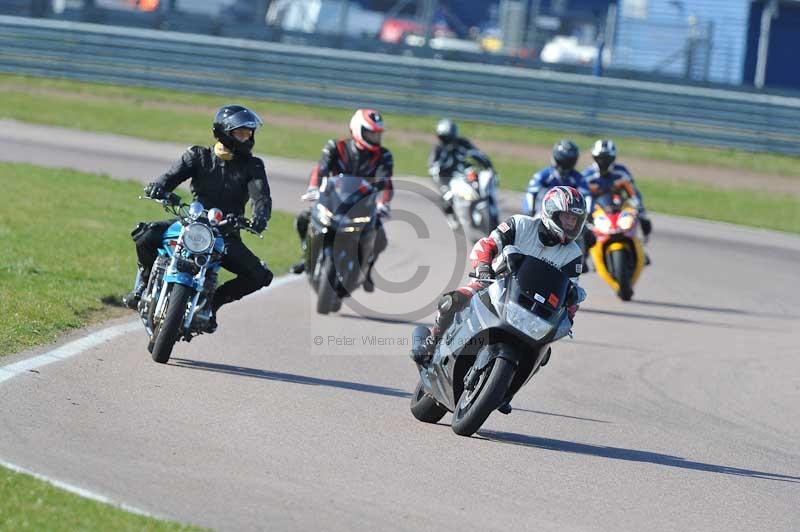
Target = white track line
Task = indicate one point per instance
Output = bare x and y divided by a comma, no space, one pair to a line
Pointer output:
75,348
78,491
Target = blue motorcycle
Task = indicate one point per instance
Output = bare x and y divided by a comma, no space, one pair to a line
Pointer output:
176,304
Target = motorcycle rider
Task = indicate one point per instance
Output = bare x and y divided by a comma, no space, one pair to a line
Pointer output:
224,176
449,156
561,172
606,175
549,238
363,156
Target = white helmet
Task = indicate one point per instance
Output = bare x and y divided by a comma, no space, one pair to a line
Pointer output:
604,153
366,127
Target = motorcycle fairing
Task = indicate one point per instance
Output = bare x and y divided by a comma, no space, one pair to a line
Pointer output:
481,333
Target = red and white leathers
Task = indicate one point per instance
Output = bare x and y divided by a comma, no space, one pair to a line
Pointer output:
518,234
343,156
525,235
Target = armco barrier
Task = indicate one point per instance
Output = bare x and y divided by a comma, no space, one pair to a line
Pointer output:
558,101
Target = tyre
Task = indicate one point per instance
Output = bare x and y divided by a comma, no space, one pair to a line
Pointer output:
326,295
474,406
424,407
166,334
622,273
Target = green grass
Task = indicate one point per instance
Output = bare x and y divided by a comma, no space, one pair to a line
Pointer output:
164,115
67,250
183,117
755,209
29,504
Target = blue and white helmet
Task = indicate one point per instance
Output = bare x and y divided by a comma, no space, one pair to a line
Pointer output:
604,153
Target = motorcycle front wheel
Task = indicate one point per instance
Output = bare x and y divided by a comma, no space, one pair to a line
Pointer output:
326,295
474,406
622,273
166,334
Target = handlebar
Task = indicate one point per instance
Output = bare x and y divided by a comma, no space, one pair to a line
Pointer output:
172,204
235,222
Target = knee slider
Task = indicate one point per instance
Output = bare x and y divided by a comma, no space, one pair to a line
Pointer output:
445,303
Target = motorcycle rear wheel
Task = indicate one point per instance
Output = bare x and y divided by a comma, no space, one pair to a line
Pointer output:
475,406
166,334
424,407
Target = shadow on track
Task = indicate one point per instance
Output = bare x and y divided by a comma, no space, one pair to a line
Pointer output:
721,310
630,455
652,317
382,320
561,415
287,377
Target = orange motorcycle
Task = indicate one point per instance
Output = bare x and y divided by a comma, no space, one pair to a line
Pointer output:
618,255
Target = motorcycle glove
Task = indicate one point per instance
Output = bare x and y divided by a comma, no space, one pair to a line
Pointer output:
312,194
259,223
484,272
155,191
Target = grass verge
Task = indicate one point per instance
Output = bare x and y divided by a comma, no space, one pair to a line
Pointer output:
755,209
67,259
67,255
30,504
131,111
164,115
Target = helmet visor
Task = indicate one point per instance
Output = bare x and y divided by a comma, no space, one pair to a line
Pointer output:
372,137
243,119
570,223
604,161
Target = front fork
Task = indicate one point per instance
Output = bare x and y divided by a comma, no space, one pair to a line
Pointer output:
198,280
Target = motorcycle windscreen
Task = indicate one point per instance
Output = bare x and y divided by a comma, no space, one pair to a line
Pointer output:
542,287
348,195
610,202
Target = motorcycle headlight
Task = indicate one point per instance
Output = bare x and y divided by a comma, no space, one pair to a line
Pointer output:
602,223
198,238
625,221
526,321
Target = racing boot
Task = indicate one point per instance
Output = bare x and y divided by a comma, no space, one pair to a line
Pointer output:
132,298
211,326
369,285
505,408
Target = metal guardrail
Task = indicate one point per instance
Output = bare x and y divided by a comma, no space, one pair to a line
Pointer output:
558,101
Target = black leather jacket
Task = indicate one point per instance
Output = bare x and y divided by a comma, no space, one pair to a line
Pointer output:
226,185
445,159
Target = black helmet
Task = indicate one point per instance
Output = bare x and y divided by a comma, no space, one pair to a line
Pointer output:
604,153
565,156
446,130
232,117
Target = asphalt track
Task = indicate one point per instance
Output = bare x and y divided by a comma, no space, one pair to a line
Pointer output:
677,411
